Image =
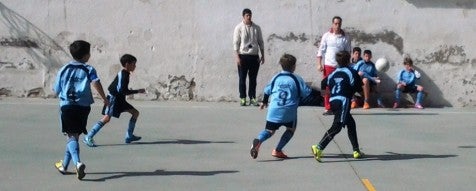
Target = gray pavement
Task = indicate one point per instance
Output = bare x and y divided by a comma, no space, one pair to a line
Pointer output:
205,146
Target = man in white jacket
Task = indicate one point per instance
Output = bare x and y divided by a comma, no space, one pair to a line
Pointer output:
248,44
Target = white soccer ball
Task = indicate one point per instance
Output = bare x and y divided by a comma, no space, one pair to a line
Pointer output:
382,65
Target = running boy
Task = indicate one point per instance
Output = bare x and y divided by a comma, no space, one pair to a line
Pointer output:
406,82
118,104
73,87
284,92
343,83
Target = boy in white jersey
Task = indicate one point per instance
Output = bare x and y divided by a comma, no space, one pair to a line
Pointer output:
284,93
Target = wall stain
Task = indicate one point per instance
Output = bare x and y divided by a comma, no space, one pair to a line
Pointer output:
453,55
289,37
386,36
15,42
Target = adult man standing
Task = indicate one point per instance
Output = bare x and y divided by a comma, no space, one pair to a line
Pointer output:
247,44
333,41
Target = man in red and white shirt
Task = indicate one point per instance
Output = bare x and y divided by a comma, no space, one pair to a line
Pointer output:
333,41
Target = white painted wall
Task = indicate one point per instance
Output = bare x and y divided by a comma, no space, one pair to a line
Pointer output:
184,47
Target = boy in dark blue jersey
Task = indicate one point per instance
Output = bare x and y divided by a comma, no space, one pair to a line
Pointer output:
118,104
73,87
284,93
343,83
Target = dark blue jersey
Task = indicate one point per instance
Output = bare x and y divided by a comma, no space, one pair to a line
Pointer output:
344,82
119,87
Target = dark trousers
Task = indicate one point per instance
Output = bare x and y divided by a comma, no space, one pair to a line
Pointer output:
249,67
342,118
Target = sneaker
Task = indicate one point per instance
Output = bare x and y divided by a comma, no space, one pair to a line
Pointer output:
418,106
59,166
80,170
255,148
133,138
317,153
353,105
253,102
89,141
328,112
279,154
366,105
243,101
358,154
395,105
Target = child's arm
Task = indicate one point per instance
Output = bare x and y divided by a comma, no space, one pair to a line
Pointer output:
97,85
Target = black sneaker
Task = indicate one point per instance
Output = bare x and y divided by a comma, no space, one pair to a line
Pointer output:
328,112
255,148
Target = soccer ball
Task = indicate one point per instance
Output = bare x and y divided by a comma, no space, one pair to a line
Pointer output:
382,65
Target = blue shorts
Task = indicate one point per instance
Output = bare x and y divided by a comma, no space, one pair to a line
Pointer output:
274,126
74,119
117,105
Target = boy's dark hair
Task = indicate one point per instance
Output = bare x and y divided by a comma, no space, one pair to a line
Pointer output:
336,17
79,49
127,58
288,62
246,11
408,60
368,52
357,49
343,58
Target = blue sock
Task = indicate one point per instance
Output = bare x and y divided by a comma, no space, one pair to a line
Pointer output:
287,135
73,148
264,135
419,97
130,129
67,158
397,95
95,129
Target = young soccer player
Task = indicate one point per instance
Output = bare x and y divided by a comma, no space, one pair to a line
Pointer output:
367,71
406,83
283,92
343,83
118,104
73,87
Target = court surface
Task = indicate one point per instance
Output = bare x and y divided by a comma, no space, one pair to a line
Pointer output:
205,146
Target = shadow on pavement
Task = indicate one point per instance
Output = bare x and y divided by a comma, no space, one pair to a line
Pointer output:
383,157
174,141
116,175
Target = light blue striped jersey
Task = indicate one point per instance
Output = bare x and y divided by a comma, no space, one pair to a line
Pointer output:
73,84
284,96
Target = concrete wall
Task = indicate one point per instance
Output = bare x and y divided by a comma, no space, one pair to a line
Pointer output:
184,47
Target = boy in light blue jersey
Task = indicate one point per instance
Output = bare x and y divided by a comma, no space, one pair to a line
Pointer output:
368,73
406,83
283,93
73,87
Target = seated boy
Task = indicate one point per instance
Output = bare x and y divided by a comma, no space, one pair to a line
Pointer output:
368,73
406,83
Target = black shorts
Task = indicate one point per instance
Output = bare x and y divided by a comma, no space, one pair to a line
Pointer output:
117,105
274,126
74,119
410,89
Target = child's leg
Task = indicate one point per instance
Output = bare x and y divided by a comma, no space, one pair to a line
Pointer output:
73,147
97,127
420,95
352,133
132,122
287,135
67,158
264,135
336,125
